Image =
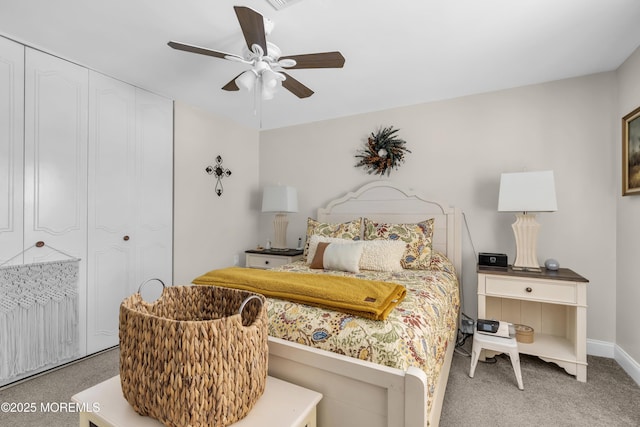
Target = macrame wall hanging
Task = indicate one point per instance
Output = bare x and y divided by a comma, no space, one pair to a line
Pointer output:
383,151
219,172
38,314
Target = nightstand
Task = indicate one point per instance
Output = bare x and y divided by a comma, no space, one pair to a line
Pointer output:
553,303
282,405
271,258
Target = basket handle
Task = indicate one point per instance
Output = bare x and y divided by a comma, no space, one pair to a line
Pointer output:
149,280
246,300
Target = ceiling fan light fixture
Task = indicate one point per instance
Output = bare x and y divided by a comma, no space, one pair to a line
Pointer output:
268,93
270,78
247,80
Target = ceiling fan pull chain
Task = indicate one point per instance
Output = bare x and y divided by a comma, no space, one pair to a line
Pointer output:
258,97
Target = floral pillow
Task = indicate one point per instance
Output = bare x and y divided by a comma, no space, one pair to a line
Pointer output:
418,237
346,230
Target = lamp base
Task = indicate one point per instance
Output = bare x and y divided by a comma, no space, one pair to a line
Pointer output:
525,231
280,224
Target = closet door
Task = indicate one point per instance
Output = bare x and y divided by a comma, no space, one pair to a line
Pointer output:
55,181
112,215
154,184
11,143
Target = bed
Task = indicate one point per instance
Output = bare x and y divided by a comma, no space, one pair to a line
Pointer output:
387,381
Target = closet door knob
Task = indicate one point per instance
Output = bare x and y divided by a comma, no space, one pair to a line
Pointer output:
125,238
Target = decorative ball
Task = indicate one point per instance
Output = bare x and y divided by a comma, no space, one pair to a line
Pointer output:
551,264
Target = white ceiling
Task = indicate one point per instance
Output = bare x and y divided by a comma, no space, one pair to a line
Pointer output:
398,52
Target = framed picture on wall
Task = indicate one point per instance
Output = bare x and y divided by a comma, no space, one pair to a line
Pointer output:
631,153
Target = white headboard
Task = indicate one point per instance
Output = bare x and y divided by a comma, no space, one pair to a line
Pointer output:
383,201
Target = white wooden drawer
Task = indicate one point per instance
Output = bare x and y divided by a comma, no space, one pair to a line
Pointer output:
528,289
266,261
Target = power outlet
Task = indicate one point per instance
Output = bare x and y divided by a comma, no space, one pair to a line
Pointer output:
236,259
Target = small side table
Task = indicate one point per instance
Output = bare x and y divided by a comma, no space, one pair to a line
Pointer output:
553,303
271,258
282,405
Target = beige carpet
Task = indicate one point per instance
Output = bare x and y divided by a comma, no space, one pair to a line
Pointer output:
550,398
57,387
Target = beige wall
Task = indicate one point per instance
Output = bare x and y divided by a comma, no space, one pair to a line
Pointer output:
628,222
210,231
459,148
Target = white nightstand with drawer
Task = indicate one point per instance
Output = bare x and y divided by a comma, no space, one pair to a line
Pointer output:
271,258
553,303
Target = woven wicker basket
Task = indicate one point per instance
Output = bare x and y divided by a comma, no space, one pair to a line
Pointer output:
197,356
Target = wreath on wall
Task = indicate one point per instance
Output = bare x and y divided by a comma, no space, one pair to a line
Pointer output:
383,151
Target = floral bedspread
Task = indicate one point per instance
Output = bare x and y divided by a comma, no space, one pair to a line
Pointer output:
416,333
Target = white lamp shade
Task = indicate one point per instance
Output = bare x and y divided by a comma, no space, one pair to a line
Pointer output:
246,80
270,83
527,192
271,79
279,198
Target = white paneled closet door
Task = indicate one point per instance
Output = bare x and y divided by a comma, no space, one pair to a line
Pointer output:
11,149
55,164
130,200
154,177
112,213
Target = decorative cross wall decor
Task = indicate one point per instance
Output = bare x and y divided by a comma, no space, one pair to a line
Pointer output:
219,172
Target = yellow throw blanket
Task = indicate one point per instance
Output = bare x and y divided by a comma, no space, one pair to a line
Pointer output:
365,298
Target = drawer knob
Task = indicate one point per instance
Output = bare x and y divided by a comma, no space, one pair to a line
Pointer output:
266,262
125,238
528,289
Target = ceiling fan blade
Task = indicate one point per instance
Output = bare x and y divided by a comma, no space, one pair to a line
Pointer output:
252,24
202,50
295,87
232,86
317,60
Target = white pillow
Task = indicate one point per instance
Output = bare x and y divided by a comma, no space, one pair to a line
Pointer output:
377,255
382,255
315,239
343,256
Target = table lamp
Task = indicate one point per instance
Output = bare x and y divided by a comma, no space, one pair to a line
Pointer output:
280,199
526,193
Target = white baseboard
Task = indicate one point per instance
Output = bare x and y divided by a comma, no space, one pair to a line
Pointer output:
601,348
613,351
630,366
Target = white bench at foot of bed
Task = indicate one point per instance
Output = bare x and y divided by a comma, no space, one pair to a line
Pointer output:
358,393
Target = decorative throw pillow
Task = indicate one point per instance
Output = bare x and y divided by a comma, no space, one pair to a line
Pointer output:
338,256
316,239
418,238
318,256
346,230
382,255
377,255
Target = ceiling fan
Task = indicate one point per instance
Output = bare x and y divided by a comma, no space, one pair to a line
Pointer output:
267,66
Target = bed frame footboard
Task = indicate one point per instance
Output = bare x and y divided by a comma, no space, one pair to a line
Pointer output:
356,392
